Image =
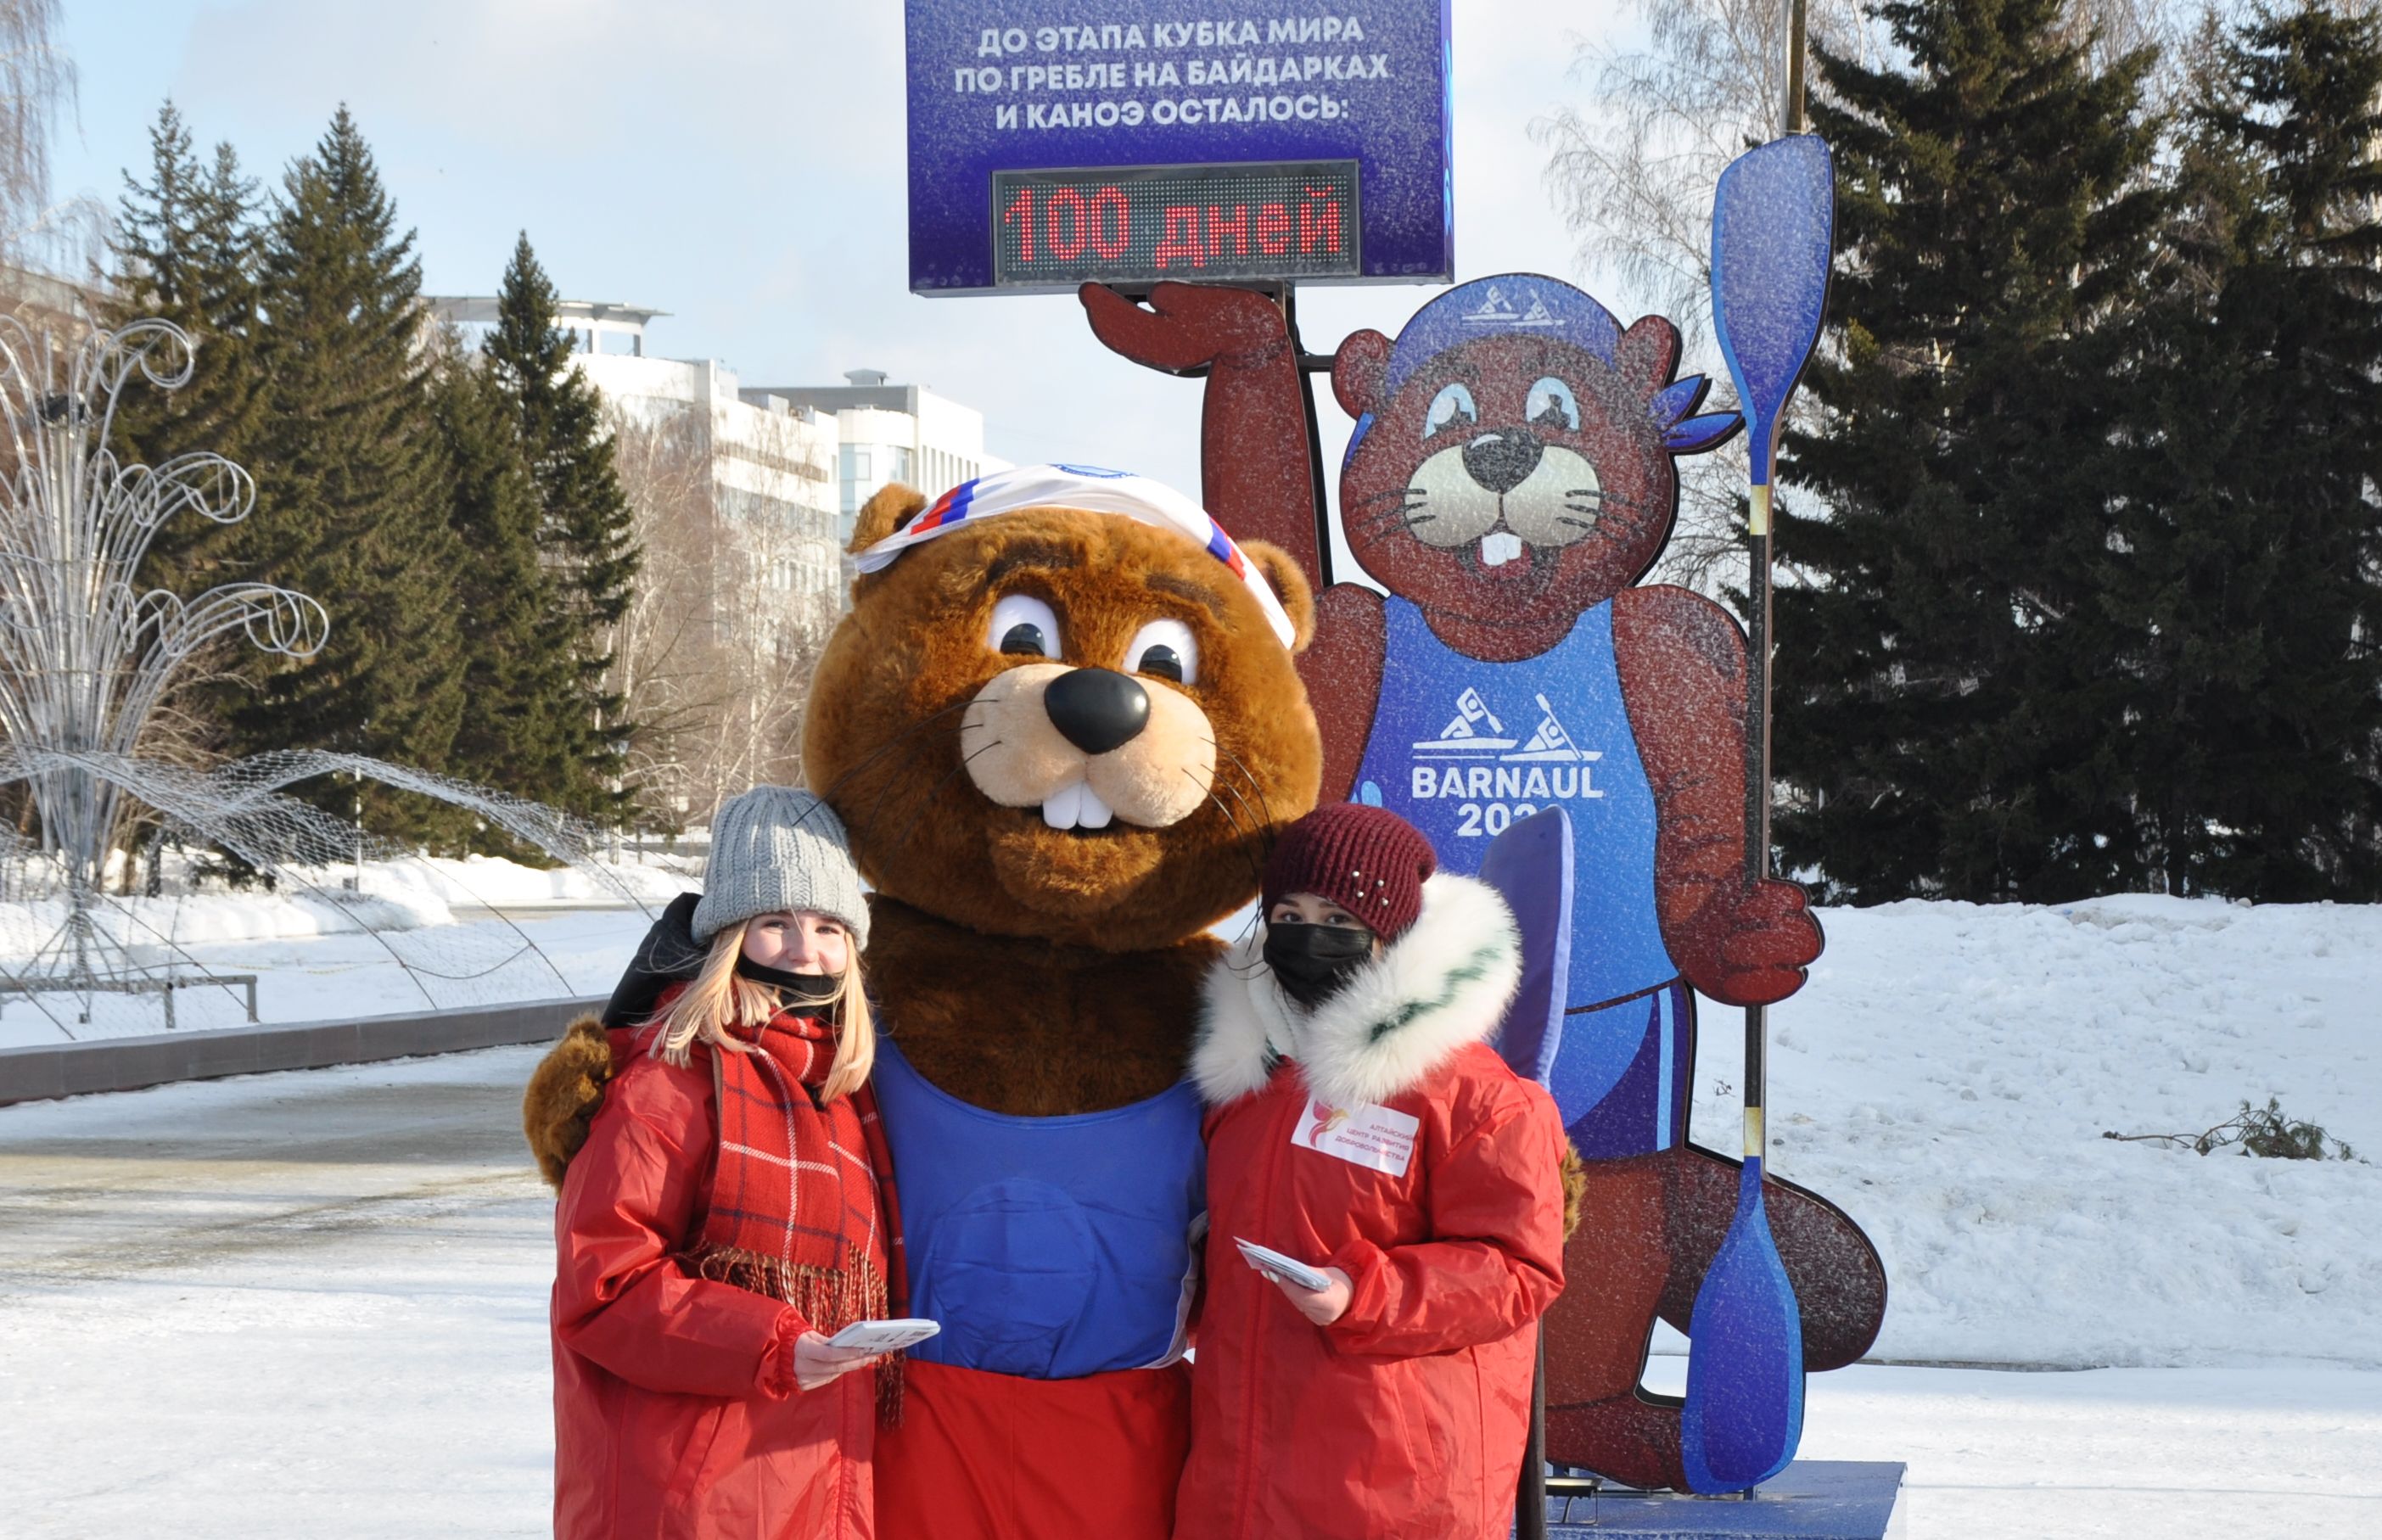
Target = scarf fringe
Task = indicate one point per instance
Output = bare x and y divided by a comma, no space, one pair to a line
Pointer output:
829,1297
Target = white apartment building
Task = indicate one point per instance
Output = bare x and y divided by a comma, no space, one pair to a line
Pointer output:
771,466
894,433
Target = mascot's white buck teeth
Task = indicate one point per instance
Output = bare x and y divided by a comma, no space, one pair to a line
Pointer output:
1498,549
1076,806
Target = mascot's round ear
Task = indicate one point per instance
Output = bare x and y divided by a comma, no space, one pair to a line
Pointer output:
1289,585
893,506
1358,369
1648,352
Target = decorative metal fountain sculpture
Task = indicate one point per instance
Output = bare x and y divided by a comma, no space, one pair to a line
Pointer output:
86,656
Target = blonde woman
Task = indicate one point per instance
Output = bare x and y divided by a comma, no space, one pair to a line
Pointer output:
732,1209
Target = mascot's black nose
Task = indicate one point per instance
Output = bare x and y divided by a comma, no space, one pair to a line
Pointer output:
1502,462
1097,709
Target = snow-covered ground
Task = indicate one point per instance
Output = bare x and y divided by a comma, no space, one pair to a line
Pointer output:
313,1304
315,977
418,933
1948,1075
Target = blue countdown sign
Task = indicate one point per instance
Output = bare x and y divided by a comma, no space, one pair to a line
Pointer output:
1250,140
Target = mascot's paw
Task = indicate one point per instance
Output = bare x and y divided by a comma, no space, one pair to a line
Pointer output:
564,1092
1186,326
1749,948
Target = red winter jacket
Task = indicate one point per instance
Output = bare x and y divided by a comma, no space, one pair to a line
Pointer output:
1406,1417
675,1412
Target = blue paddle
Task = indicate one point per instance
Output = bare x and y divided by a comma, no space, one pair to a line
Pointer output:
1773,240
1530,867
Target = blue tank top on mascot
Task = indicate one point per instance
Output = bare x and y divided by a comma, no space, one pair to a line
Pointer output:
1050,1246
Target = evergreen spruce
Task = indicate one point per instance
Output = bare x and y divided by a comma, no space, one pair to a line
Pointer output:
2256,585
1943,696
186,251
352,486
585,529
520,676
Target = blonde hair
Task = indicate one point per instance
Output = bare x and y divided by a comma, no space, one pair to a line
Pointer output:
720,999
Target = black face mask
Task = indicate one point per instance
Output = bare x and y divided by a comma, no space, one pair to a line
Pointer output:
794,988
1313,962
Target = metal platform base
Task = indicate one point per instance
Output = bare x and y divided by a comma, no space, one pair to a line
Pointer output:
1811,1499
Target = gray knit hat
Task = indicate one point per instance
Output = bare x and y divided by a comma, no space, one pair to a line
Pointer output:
777,846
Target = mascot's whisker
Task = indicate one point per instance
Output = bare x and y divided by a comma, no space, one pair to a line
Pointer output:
1248,928
927,803
1590,500
1390,518
1251,811
1241,837
1382,496
893,773
910,742
1630,519
894,742
1264,808
1261,813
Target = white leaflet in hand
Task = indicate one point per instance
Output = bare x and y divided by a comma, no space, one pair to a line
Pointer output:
1266,1260
884,1337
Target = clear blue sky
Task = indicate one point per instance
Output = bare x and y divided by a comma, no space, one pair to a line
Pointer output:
739,163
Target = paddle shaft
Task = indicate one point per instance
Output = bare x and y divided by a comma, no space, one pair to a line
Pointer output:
1757,780
1757,680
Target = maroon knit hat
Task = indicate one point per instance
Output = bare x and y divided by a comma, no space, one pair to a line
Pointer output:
1366,860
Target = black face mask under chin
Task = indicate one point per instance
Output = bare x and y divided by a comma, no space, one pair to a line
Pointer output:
1312,962
794,988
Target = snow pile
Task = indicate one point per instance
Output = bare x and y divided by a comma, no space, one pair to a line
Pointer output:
490,881
392,896
146,925
1947,1077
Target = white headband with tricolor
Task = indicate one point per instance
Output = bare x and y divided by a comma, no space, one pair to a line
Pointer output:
1081,486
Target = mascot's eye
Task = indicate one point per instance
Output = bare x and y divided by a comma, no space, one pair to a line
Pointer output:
1551,405
1452,408
1164,650
1024,626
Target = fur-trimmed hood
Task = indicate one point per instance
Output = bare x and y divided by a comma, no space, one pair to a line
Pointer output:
1444,985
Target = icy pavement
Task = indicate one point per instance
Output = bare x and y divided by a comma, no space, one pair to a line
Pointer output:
315,1303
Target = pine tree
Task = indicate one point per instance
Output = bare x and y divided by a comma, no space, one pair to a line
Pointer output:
352,489
1944,705
587,523
520,675
185,251
2256,537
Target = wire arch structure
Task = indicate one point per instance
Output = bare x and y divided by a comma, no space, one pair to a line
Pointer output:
88,656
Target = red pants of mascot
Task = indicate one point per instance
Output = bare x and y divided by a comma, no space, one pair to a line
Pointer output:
980,1456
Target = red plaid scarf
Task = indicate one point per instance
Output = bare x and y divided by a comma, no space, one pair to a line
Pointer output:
803,1206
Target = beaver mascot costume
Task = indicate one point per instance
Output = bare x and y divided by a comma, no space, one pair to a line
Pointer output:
1062,723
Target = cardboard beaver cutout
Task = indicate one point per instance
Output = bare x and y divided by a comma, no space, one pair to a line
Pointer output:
1063,740
1509,480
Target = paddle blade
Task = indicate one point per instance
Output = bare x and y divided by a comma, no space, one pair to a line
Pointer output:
1530,865
1744,1412
1773,236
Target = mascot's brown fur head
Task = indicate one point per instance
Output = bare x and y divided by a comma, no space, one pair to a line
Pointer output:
1063,725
